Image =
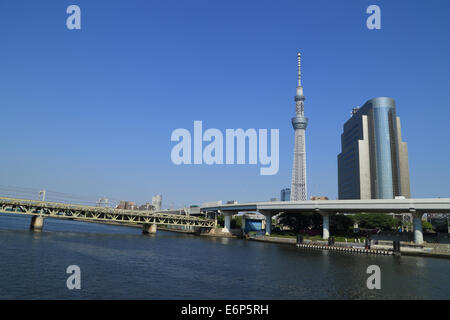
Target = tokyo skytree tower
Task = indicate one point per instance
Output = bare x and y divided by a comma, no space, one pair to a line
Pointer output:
299,122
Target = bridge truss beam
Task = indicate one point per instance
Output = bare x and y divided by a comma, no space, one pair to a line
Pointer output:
101,214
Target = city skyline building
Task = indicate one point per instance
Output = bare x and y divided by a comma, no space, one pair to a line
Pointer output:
157,201
285,194
373,163
126,205
146,207
299,123
319,198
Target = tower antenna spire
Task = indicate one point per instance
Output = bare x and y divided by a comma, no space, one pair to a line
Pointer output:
299,122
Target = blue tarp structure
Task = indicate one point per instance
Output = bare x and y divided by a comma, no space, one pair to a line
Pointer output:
253,225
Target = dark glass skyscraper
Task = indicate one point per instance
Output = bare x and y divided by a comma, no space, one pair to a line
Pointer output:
373,163
285,194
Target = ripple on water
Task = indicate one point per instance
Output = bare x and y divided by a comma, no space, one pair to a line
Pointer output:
120,263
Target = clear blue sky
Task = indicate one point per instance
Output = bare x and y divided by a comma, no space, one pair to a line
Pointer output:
90,112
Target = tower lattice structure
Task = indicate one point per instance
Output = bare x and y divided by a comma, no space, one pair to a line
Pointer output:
299,122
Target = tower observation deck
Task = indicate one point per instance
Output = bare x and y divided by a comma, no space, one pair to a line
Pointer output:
299,122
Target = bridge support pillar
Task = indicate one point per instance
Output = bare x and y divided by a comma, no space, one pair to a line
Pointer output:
215,219
418,234
37,223
326,225
149,228
227,222
268,223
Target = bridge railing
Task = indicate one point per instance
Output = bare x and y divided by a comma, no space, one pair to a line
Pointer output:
64,206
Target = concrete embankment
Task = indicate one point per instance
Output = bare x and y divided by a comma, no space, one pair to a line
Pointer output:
383,247
436,250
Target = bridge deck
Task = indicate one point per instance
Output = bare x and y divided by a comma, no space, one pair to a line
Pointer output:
437,205
73,211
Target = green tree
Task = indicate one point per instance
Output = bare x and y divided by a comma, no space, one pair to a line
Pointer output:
220,221
381,221
427,225
236,223
301,221
340,224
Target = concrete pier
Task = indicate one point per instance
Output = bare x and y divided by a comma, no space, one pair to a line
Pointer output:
418,234
149,228
37,223
268,223
227,222
326,225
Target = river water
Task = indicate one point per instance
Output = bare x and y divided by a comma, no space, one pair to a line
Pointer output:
120,263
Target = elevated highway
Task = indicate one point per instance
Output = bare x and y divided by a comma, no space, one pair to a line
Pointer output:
417,207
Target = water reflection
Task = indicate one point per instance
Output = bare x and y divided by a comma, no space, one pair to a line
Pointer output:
121,263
